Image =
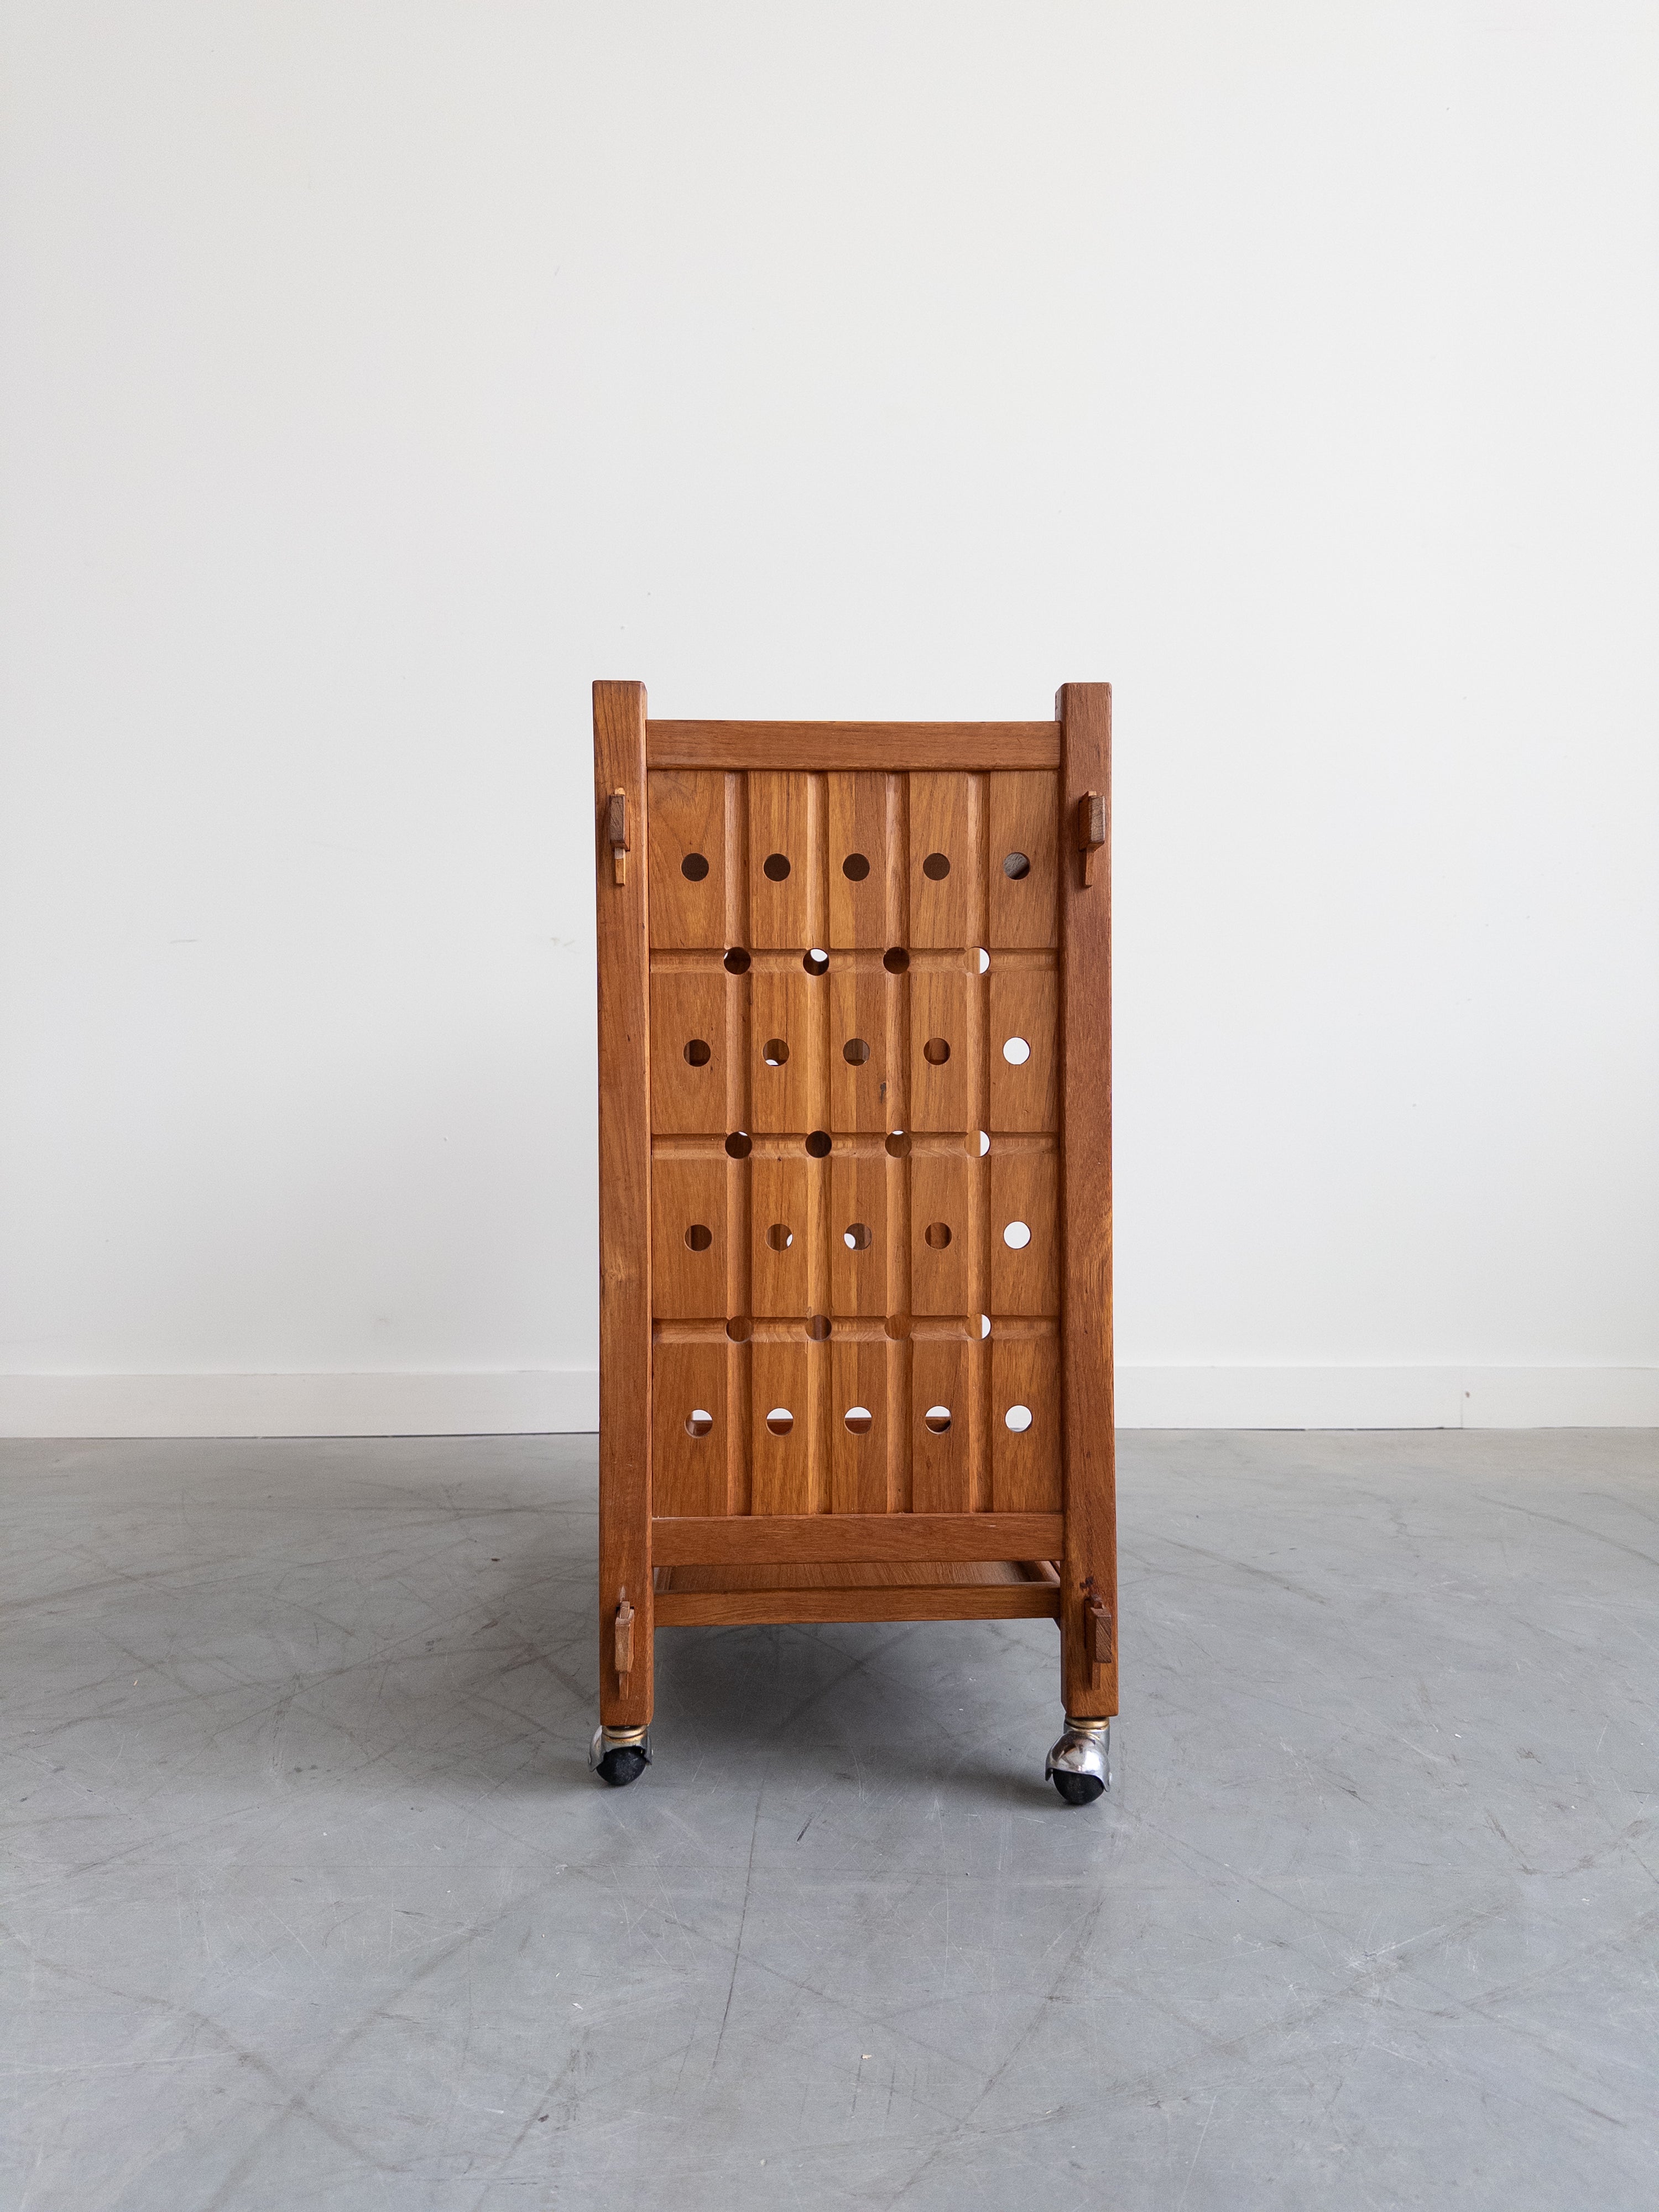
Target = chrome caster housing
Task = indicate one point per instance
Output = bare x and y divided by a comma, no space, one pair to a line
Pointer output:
620,1755
1080,1764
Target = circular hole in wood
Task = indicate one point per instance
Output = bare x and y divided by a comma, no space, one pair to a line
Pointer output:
780,1421
737,961
817,1144
982,960
936,868
896,960
818,1328
981,1144
898,1145
855,867
1016,1235
1016,867
739,1144
694,868
859,1420
897,1326
856,1236
815,962
740,1329
775,868
697,1053
699,1237
855,1051
1016,1052
936,1235
1018,1418
780,1236
775,1051
699,1422
938,1418
985,1324
936,1052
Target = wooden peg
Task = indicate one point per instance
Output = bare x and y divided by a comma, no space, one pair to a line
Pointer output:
1091,830
1098,1624
616,831
624,1639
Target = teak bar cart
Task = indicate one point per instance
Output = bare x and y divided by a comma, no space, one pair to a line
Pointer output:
855,1187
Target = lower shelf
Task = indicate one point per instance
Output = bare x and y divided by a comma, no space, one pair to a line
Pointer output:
888,1589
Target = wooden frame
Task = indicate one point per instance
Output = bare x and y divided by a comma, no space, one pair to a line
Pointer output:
783,1032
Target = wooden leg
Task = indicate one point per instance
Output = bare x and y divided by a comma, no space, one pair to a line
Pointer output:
625,1670
625,1603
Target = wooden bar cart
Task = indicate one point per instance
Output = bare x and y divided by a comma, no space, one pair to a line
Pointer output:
855,1202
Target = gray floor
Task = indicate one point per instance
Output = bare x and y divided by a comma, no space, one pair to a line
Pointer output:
309,1901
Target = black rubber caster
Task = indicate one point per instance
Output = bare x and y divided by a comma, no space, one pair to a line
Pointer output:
619,1756
619,1768
1080,1764
1079,1788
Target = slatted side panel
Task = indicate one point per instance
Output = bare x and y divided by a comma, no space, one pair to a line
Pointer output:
854,1067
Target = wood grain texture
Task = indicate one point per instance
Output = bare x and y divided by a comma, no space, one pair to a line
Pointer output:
941,1251
859,1234
858,1430
688,830
865,832
689,1454
1024,827
1024,1005
1026,1464
688,1206
785,1383
958,746
689,1047
786,830
1089,1564
866,1065
780,1539
942,1591
938,1087
941,1458
625,1352
784,1232
816,1519
784,1007
1024,1188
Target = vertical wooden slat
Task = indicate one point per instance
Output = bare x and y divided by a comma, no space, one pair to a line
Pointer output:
688,826
940,1463
1023,835
624,1207
976,1096
689,1197
1088,1568
784,909
944,909
858,1456
689,1460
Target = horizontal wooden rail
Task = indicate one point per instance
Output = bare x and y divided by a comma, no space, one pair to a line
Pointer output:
816,1539
822,745
760,1609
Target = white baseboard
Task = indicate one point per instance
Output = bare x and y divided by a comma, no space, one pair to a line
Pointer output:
542,1400
1387,1397
535,1402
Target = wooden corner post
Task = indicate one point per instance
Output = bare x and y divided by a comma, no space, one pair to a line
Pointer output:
625,1592
1088,1570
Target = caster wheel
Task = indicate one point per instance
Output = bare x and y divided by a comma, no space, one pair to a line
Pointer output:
619,1756
1079,1766
1079,1788
621,1767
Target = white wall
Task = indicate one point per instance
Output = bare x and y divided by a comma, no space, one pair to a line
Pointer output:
377,375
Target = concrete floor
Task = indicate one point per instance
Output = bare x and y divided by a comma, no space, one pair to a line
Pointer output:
309,1901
